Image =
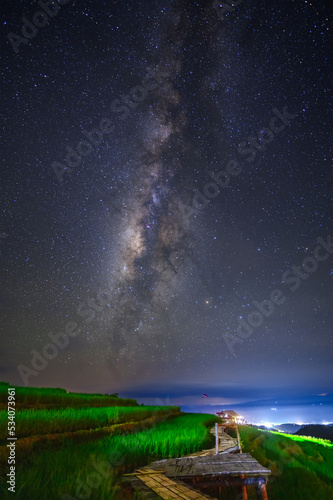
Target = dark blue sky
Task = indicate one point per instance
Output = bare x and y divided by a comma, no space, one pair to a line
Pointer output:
167,198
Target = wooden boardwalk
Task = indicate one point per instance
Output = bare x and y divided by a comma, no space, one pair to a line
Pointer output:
226,444
213,465
166,488
170,478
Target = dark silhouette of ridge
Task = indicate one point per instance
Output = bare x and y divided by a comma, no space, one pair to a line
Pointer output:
318,431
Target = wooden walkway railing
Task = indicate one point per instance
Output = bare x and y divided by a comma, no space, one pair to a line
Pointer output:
223,442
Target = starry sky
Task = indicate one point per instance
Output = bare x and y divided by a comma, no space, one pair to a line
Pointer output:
166,189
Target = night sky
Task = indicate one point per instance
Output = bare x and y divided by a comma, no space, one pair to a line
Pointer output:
166,188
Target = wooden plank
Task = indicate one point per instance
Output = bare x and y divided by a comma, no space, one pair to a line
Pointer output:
215,464
228,450
203,453
234,458
178,487
186,492
168,489
218,469
240,448
140,472
160,490
216,439
145,491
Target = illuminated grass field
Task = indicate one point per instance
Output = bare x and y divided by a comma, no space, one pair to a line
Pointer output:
304,439
28,397
75,452
41,422
94,469
302,467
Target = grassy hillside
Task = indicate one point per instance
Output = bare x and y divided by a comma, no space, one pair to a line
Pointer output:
319,431
41,422
302,467
30,397
76,447
93,468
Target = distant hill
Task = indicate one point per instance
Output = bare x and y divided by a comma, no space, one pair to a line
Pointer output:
318,431
288,428
276,403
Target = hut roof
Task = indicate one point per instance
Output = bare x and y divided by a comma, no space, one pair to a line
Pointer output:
230,413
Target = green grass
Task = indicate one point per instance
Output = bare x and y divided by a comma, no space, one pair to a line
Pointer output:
302,467
41,422
78,446
304,439
35,396
81,470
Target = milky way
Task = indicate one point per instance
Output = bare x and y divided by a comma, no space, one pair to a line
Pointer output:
159,235
153,230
